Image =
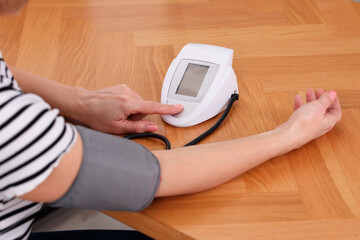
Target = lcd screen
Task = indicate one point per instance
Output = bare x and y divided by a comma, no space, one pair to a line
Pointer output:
191,81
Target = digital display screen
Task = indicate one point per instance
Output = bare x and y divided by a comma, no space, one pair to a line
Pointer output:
191,81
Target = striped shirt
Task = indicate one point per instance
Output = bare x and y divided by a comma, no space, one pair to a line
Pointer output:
33,139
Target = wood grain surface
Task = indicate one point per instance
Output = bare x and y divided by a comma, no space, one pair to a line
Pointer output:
282,47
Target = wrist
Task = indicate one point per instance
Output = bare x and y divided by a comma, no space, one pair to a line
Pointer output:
77,103
285,139
292,135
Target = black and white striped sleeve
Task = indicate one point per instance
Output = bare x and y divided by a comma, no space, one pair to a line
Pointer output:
33,139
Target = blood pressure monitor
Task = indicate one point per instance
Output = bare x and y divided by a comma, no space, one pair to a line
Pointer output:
202,79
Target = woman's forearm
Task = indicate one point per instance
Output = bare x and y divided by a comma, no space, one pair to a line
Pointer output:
198,168
194,169
116,109
65,98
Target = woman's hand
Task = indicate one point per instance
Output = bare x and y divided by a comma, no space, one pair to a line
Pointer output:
313,119
119,110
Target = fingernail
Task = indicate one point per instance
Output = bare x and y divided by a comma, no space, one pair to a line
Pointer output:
151,128
179,106
332,94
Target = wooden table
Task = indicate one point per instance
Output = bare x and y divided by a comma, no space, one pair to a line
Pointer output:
281,48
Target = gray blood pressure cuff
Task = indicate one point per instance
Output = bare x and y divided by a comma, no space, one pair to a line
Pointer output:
116,174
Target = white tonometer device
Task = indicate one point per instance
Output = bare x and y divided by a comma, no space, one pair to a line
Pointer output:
202,79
